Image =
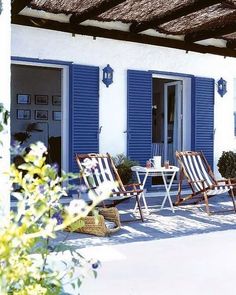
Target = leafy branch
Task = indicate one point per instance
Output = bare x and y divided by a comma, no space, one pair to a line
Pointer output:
4,116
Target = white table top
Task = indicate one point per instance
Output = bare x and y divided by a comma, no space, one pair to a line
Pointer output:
154,170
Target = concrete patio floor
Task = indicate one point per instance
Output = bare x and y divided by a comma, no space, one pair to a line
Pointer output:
201,264
186,252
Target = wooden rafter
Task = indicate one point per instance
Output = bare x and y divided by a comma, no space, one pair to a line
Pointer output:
119,35
231,44
94,11
172,14
18,5
211,32
228,4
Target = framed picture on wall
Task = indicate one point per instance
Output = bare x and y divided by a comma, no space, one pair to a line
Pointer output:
41,115
23,114
41,99
56,116
56,100
23,98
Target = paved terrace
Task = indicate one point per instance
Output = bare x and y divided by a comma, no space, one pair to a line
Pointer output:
186,252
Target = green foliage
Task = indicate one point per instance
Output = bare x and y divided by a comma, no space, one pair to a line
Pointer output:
4,116
25,237
227,164
123,165
26,234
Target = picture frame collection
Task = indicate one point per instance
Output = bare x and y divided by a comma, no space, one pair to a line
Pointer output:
42,115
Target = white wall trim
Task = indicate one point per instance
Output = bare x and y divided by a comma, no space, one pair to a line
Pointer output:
5,33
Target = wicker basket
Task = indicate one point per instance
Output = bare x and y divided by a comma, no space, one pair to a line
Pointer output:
96,225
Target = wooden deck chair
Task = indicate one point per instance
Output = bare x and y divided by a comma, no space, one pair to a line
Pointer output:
194,166
103,170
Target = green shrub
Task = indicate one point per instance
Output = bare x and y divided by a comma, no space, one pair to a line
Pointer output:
227,164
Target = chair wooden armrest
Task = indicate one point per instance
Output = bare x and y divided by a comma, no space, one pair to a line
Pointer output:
225,184
196,181
133,186
230,182
221,182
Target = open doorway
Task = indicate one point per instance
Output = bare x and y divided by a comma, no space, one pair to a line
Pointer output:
171,117
167,115
36,107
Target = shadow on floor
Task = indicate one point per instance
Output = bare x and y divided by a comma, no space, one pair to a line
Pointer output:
161,224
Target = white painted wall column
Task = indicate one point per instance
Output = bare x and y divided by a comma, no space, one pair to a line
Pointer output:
5,35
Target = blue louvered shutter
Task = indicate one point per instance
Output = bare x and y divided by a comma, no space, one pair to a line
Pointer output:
203,117
139,130
84,112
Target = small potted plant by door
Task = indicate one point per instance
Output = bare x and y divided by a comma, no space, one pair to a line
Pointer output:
123,165
227,166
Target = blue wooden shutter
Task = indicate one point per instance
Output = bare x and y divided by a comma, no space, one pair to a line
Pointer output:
139,131
203,117
84,112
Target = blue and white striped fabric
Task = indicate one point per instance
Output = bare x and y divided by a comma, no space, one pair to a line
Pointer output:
197,172
98,170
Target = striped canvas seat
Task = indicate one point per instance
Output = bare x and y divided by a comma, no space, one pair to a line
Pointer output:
194,166
98,170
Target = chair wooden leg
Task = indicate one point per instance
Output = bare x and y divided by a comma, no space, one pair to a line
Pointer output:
179,199
139,208
206,203
233,200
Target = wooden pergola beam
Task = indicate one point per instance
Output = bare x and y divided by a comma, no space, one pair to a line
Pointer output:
231,44
228,4
94,11
119,35
178,12
212,32
18,5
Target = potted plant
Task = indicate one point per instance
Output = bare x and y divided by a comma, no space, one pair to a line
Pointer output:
123,165
227,166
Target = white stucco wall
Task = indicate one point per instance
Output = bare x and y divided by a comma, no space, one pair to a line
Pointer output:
5,32
46,44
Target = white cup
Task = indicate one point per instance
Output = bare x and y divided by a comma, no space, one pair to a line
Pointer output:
156,162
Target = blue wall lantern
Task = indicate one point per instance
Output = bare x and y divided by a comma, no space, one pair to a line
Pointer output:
107,78
221,87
